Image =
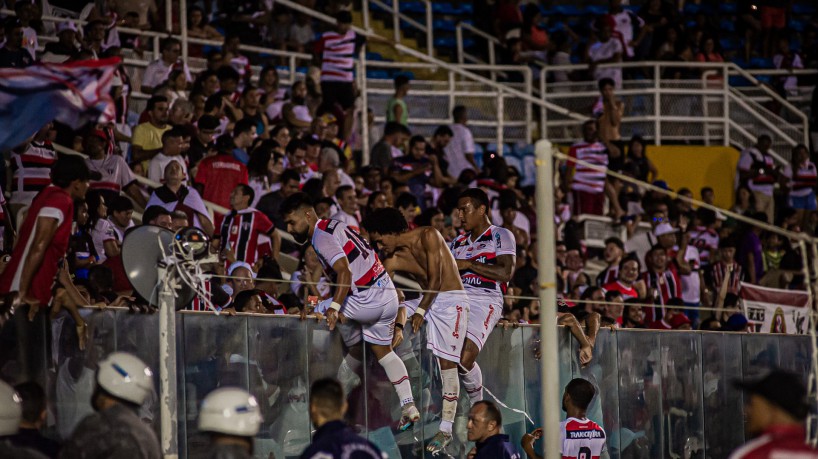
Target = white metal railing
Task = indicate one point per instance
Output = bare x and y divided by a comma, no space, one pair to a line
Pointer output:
711,110
397,17
491,40
493,109
454,70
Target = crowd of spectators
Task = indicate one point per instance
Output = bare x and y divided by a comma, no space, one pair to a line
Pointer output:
757,34
223,136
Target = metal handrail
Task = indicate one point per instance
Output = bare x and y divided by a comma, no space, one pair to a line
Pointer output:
454,69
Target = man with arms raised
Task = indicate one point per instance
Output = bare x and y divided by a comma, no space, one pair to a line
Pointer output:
364,292
422,253
485,258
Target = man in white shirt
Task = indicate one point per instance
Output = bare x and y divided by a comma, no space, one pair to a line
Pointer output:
606,50
460,150
158,70
623,23
171,151
348,203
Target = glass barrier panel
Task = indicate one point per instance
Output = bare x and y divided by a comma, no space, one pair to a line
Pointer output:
602,372
681,388
215,355
502,363
723,405
279,379
641,415
760,354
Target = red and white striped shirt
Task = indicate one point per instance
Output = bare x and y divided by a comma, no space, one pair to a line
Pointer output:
717,273
247,233
338,51
586,178
706,241
668,285
32,171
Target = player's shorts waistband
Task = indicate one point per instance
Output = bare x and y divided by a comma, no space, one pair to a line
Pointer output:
453,296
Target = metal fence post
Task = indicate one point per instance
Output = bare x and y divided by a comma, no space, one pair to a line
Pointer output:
547,280
726,106
458,32
364,107
396,20
528,108
657,106
429,34
501,107
183,27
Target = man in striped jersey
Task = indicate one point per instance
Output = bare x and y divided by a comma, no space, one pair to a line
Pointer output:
588,184
31,164
364,293
245,233
337,49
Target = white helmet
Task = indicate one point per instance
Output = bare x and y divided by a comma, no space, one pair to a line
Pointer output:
230,411
11,410
124,376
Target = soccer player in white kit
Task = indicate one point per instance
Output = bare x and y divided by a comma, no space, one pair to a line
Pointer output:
364,291
485,257
423,254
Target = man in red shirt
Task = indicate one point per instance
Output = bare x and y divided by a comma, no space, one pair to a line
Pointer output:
775,410
45,233
218,175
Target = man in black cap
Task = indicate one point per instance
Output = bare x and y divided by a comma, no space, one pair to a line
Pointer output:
775,408
204,140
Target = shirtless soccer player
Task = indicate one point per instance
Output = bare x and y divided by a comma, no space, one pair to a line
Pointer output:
364,291
485,257
422,253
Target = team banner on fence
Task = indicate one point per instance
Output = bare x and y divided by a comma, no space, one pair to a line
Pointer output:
73,94
771,310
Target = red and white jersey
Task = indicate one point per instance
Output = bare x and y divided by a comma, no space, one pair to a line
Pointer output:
668,285
247,234
485,249
691,283
52,202
581,439
608,275
627,292
116,174
706,241
32,171
585,178
333,240
338,52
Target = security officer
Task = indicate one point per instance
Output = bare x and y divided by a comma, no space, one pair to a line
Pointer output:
232,418
333,438
115,430
11,412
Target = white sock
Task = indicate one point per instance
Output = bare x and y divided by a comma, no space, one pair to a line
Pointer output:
396,372
348,373
473,382
451,392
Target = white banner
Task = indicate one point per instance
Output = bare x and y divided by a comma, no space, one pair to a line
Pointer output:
771,310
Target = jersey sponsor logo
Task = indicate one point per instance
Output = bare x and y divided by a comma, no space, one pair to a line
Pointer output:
582,434
456,333
497,240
